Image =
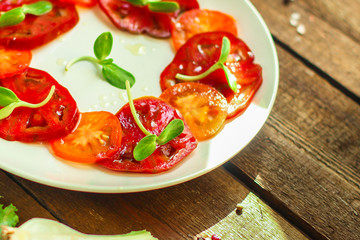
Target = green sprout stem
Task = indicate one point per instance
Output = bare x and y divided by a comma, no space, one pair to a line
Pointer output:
7,110
133,110
84,58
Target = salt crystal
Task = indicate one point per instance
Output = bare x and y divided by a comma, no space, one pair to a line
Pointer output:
301,29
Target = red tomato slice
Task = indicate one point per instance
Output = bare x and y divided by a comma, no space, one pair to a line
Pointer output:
197,21
83,3
13,62
36,31
97,137
200,52
55,119
138,20
155,115
203,107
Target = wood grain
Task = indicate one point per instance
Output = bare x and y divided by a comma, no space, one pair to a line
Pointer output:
178,212
27,207
264,222
307,154
331,50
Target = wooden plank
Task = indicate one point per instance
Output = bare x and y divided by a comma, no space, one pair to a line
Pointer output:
263,222
323,44
27,207
307,154
178,212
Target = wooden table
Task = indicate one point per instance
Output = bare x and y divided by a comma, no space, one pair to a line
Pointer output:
298,179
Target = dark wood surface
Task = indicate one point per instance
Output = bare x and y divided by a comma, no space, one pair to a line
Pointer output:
298,179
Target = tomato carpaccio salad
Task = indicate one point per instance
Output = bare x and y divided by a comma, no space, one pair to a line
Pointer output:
108,139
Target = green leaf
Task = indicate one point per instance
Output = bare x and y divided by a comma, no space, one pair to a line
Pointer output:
145,147
117,76
8,216
38,8
230,78
12,17
172,130
137,2
7,96
225,50
166,7
103,45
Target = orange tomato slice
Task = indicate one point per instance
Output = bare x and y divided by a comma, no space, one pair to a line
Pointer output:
203,107
97,137
197,21
13,62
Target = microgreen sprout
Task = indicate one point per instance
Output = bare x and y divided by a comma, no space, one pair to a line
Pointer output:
9,101
111,72
147,145
220,64
17,15
157,5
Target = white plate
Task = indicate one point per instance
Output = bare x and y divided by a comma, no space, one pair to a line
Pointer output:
145,57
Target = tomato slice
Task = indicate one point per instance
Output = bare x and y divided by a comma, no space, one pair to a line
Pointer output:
36,31
13,62
197,21
97,136
135,19
82,3
155,114
55,119
201,51
203,107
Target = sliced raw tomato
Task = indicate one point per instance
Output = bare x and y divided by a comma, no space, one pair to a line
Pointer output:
55,119
83,3
36,31
13,62
203,107
155,114
200,52
97,136
135,19
197,21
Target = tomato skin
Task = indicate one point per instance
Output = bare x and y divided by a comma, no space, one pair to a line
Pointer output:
155,114
6,5
55,119
82,3
138,20
36,31
203,107
197,21
203,50
96,137
13,62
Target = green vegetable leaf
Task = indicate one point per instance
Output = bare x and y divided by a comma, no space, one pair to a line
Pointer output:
103,45
111,72
138,2
8,216
166,7
7,96
220,64
38,8
145,147
172,130
12,17
117,76
17,15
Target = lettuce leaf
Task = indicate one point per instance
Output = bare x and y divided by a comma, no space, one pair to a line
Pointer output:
8,216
